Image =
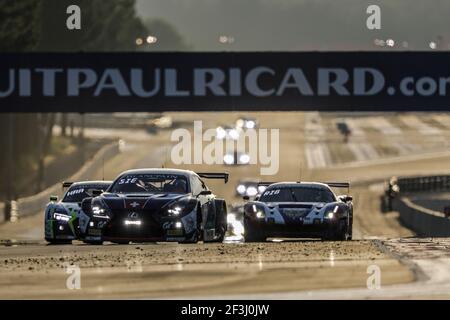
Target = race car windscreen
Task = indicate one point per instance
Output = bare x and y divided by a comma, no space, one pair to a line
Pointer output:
297,194
150,183
78,193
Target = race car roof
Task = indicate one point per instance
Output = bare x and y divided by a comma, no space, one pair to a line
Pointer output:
158,171
299,184
78,183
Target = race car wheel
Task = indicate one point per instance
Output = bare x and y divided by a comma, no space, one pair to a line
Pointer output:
221,236
194,239
252,234
197,235
339,232
350,231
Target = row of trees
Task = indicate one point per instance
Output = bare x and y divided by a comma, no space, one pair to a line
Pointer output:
40,25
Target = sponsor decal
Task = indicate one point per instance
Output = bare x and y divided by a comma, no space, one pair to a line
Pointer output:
231,81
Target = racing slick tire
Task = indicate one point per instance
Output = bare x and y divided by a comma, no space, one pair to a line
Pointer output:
252,234
341,232
221,212
197,236
194,239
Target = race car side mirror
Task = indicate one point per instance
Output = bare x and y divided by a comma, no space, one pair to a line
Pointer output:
346,198
96,192
53,198
205,193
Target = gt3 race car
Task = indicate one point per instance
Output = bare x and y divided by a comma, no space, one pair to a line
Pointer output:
299,210
64,220
160,205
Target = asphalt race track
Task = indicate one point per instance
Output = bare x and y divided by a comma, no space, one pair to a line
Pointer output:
410,267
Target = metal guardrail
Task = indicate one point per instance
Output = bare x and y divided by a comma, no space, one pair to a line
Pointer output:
423,221
424,183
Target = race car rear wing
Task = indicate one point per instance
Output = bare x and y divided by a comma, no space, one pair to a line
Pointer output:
345,185
67,184
214,175
330,184
265,183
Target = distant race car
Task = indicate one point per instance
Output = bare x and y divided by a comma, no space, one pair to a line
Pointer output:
246,123
299,210
228,132
249,188
236,158
147,205
64,219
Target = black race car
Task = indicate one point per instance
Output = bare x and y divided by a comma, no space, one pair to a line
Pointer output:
147,205
299,210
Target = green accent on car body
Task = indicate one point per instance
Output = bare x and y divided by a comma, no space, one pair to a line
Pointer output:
72,219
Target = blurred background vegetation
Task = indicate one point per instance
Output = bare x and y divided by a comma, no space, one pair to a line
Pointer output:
27,140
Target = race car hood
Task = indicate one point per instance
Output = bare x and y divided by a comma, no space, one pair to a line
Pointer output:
300,206
295,212
150,202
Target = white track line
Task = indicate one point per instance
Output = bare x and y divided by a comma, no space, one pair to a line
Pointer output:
443,119
363,151
317,155
405,147
384,126
415,123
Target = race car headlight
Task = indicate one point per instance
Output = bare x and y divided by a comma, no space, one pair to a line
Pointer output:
174,211
179,208
61,217
234,134
332,214
228,159
241,189
252,191
98,210
261,189
250,124
220,133
329,215
255,211
244,159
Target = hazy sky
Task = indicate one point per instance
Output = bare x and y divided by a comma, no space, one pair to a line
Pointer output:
301,24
